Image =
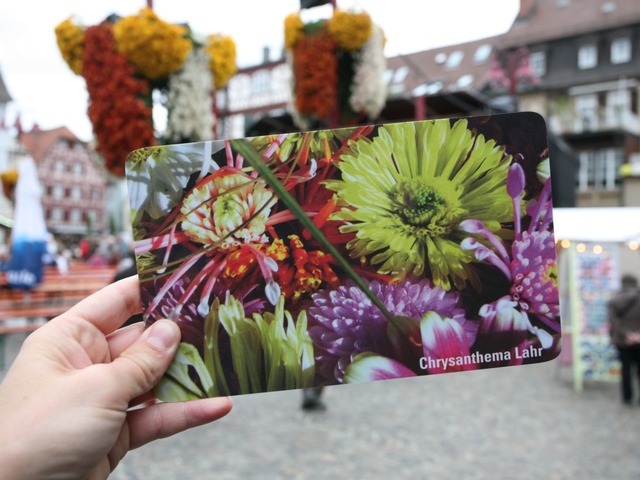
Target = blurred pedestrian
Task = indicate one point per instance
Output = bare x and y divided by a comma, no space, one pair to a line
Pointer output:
624,328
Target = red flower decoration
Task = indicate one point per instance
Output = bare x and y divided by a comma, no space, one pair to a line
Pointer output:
121,120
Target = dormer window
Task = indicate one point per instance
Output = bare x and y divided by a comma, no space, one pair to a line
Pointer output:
482,53
538,63
621,50
587,56
455,59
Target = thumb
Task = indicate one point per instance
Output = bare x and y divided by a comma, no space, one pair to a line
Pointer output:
141,366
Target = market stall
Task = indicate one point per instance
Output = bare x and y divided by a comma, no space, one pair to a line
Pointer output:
596,246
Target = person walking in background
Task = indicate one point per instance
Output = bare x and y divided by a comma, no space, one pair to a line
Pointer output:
624,328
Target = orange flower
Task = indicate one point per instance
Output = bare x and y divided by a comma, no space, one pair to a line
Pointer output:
315,68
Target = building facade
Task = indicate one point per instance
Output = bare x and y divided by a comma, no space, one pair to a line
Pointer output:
74,185
586,55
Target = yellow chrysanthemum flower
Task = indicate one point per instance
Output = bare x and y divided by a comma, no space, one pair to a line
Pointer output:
154,47
351,30
222,58
70,39
405,192
293,30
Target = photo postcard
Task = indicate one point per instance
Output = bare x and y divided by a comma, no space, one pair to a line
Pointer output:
351,255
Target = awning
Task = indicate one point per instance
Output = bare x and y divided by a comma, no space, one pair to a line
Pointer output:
619,224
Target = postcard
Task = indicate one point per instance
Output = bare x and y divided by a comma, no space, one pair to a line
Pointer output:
352,255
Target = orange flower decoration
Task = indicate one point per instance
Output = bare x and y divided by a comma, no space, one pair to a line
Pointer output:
315,67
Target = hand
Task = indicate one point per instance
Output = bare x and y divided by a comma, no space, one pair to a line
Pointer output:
65,402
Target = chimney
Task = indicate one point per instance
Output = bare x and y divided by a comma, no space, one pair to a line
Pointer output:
266,54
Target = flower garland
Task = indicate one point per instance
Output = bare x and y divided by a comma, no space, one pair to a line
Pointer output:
300,120
70,39
222,58
128,57
368,91
9,180
337,68
293,30
190,100
154,47
350,29
121,120
315,70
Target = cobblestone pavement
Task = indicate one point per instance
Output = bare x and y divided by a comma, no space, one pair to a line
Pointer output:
507,423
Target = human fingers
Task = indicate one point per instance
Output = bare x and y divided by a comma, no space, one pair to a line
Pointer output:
111,306
166,419
138,368
122,338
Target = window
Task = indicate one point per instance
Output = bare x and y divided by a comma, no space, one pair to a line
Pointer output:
482,53
239,91
58,166
538,63
261,83
401,74
586,109
599,169
455,59
76,216
621,50
465,81
77,168
587,56
56,214
388,75
76,193
440,58
58,192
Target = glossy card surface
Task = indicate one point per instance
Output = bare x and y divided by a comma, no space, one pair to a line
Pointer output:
352,255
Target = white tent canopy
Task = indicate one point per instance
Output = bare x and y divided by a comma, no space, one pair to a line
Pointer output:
620,224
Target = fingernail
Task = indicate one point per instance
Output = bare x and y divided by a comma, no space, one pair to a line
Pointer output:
162,335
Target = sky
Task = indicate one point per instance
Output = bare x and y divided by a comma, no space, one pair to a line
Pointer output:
46,92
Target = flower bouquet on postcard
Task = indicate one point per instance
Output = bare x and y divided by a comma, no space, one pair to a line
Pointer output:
350,255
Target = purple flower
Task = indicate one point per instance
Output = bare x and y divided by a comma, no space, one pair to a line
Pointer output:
344,322
530,266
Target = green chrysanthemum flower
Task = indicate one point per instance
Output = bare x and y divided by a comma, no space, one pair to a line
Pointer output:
404,193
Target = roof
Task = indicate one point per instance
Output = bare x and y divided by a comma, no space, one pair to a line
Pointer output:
4,94
543,20
466,66
452,68
38,142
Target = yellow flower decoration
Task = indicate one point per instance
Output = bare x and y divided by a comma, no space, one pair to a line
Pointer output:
349,29
293,30
222,58
9,177
154,47
70,38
